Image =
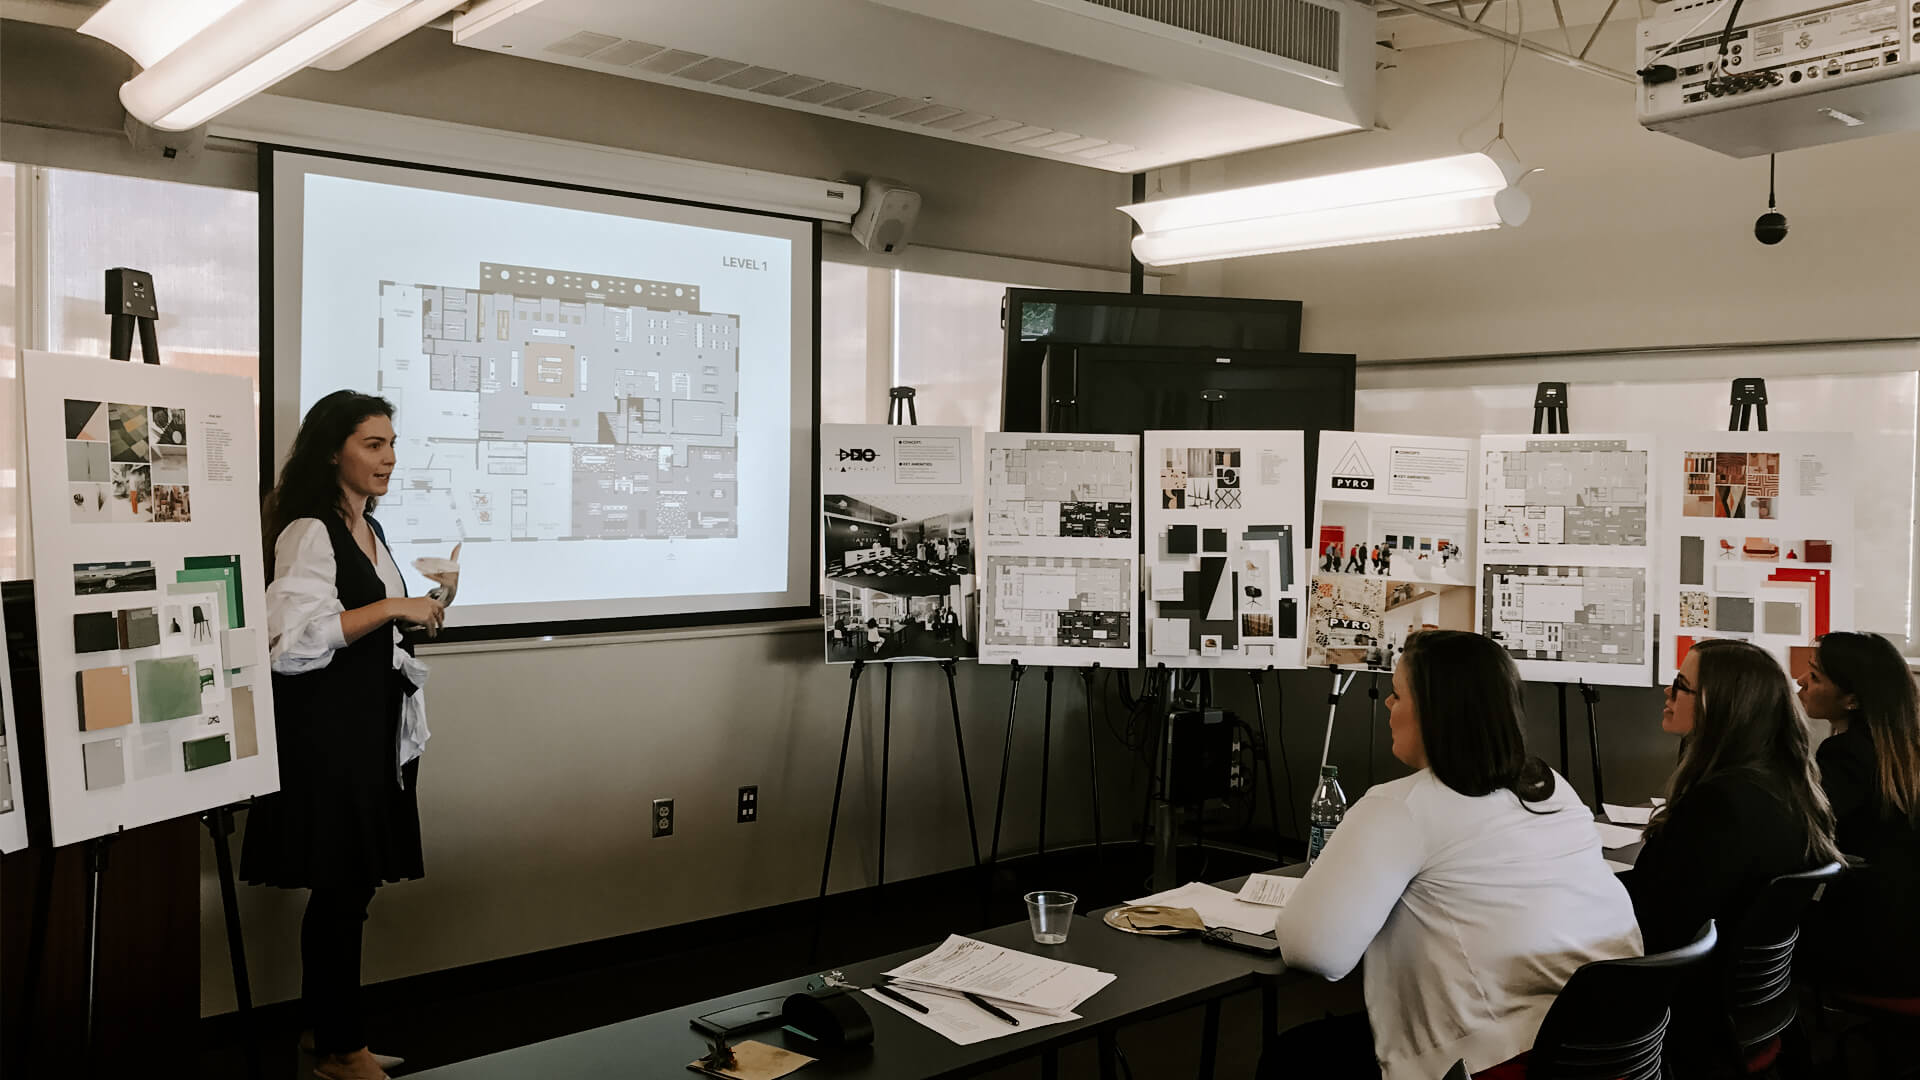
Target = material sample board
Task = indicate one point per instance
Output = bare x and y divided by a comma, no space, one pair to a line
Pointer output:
144,642
1224,529
1758,536
1060,580
1566,555
898,543
1393,545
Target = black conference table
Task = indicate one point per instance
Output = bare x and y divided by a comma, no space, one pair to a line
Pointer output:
1155,976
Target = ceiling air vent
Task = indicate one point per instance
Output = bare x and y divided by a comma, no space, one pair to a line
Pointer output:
1295,29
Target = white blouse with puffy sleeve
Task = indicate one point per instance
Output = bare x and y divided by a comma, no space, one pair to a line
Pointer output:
303,619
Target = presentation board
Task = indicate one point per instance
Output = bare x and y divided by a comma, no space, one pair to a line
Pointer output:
149,592
609,400
1393,545
897,530
1224,588
1060,575
1565,562
1761,545
13,813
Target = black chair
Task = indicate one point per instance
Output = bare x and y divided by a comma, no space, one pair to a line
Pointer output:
1758,965
1609,1021
1458,1072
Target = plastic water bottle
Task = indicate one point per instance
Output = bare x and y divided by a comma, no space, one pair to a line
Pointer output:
1328,807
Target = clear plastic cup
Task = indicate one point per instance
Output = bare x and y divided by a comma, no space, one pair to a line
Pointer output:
1050,914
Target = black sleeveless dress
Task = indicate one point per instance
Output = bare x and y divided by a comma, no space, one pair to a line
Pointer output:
342,817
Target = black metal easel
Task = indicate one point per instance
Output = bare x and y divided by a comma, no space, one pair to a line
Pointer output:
1747,403
900,411
1263,753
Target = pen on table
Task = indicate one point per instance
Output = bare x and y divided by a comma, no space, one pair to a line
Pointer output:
991,1008
883,988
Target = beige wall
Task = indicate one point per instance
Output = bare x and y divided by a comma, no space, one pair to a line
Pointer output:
1636,238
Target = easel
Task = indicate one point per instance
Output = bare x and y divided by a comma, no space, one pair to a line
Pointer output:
1263,754
900,410
1016,670
1747,403
1550,412
132,304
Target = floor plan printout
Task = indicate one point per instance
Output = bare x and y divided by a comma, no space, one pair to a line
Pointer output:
1223,541
1759,535
1060,580
1393,545
1565,555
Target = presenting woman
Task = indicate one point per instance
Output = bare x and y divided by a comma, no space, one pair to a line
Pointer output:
1863,936
349,711
1473,888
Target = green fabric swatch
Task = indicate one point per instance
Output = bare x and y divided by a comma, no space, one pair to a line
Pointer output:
212,750
219,568
169,688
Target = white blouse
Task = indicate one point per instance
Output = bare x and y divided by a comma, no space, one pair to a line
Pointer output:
1471,914
303,620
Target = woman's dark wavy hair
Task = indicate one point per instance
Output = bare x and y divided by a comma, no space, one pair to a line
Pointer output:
1745,720
1467,693
310,481
1887,707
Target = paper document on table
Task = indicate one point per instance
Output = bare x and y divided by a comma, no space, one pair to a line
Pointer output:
1628,815
1216,907
1617,867
961,1020
1268,889
1003,975
1616,836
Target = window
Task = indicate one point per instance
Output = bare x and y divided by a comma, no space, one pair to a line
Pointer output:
200,244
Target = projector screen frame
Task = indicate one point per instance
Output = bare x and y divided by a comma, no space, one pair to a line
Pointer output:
538,629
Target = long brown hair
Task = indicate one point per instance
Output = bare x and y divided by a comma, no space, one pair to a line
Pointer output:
1745,720
1887,706
310,480
1466,691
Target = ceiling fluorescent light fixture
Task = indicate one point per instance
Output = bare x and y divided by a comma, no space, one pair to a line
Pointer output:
202,57
1464,193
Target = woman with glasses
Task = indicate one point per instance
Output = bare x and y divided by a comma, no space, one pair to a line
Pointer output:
1743,807
1473,888
1864,934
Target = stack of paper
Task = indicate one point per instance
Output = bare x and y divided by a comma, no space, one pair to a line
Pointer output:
961,1020
1616,836
1270,890
1216,907
1002,976
1628,815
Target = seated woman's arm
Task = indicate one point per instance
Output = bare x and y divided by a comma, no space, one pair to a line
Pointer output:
1333,916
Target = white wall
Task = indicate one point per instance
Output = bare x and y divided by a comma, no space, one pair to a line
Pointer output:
1636,238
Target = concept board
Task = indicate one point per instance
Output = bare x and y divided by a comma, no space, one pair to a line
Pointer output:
1223,542
1392,551
1060,577
149,592
1759,530
1565,559
898,543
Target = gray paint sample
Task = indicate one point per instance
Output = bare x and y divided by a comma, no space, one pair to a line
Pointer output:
1733,614
106,763
1781,618
1693,560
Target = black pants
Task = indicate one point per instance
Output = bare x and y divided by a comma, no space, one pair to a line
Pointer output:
330,967
1336,1048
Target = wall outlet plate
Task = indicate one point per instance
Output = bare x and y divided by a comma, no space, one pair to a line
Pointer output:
747,808
662,818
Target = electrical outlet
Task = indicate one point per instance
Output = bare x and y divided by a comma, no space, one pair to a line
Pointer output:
662,818
747,809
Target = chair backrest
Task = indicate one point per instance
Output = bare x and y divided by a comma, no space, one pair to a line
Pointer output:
1759,953
1458,1072
1609,1020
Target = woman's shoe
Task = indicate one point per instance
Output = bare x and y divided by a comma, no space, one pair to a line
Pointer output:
358,1065
386,1061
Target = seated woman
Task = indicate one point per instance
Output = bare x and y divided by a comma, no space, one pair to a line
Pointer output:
1743,807
1473,888
1863,936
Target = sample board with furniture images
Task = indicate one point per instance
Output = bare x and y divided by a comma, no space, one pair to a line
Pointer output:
1224,588
13,814
1760,545
149,592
